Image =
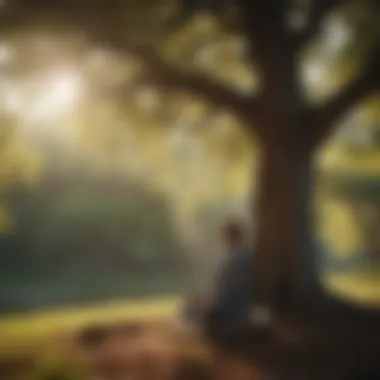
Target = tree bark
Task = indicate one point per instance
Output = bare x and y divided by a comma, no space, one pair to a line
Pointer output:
283,205
283,241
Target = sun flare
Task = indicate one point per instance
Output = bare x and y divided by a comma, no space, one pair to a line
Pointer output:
58,93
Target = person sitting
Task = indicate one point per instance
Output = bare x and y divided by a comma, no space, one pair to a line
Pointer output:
230,300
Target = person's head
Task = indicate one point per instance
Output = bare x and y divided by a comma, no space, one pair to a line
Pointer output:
232,233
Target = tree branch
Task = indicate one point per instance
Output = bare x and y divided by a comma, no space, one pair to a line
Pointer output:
319,9
108,29
167,76
324,118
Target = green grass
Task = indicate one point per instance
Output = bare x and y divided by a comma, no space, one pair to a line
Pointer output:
143,299
21,332
359,287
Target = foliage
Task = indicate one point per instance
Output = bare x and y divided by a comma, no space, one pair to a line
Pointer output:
360,195
351,183
99,225
19,166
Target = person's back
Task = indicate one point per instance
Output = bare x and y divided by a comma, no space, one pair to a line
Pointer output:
231,292
231,296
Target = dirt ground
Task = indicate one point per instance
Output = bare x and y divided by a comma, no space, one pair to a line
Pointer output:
126,352
159,353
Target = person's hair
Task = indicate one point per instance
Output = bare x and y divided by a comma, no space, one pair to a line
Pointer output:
233,231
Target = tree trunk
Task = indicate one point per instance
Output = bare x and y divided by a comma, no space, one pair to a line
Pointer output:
283,241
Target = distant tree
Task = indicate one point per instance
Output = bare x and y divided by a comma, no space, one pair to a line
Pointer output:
19,167
95,224
360,193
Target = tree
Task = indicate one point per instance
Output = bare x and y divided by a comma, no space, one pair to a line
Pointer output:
93,223
361,193
289,128
358,189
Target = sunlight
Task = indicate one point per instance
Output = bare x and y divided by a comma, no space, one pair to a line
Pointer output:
45,97
58,94
14,101
6,53
338,35
315,73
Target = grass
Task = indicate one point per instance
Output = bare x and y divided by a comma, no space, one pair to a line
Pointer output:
19,333
359,287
